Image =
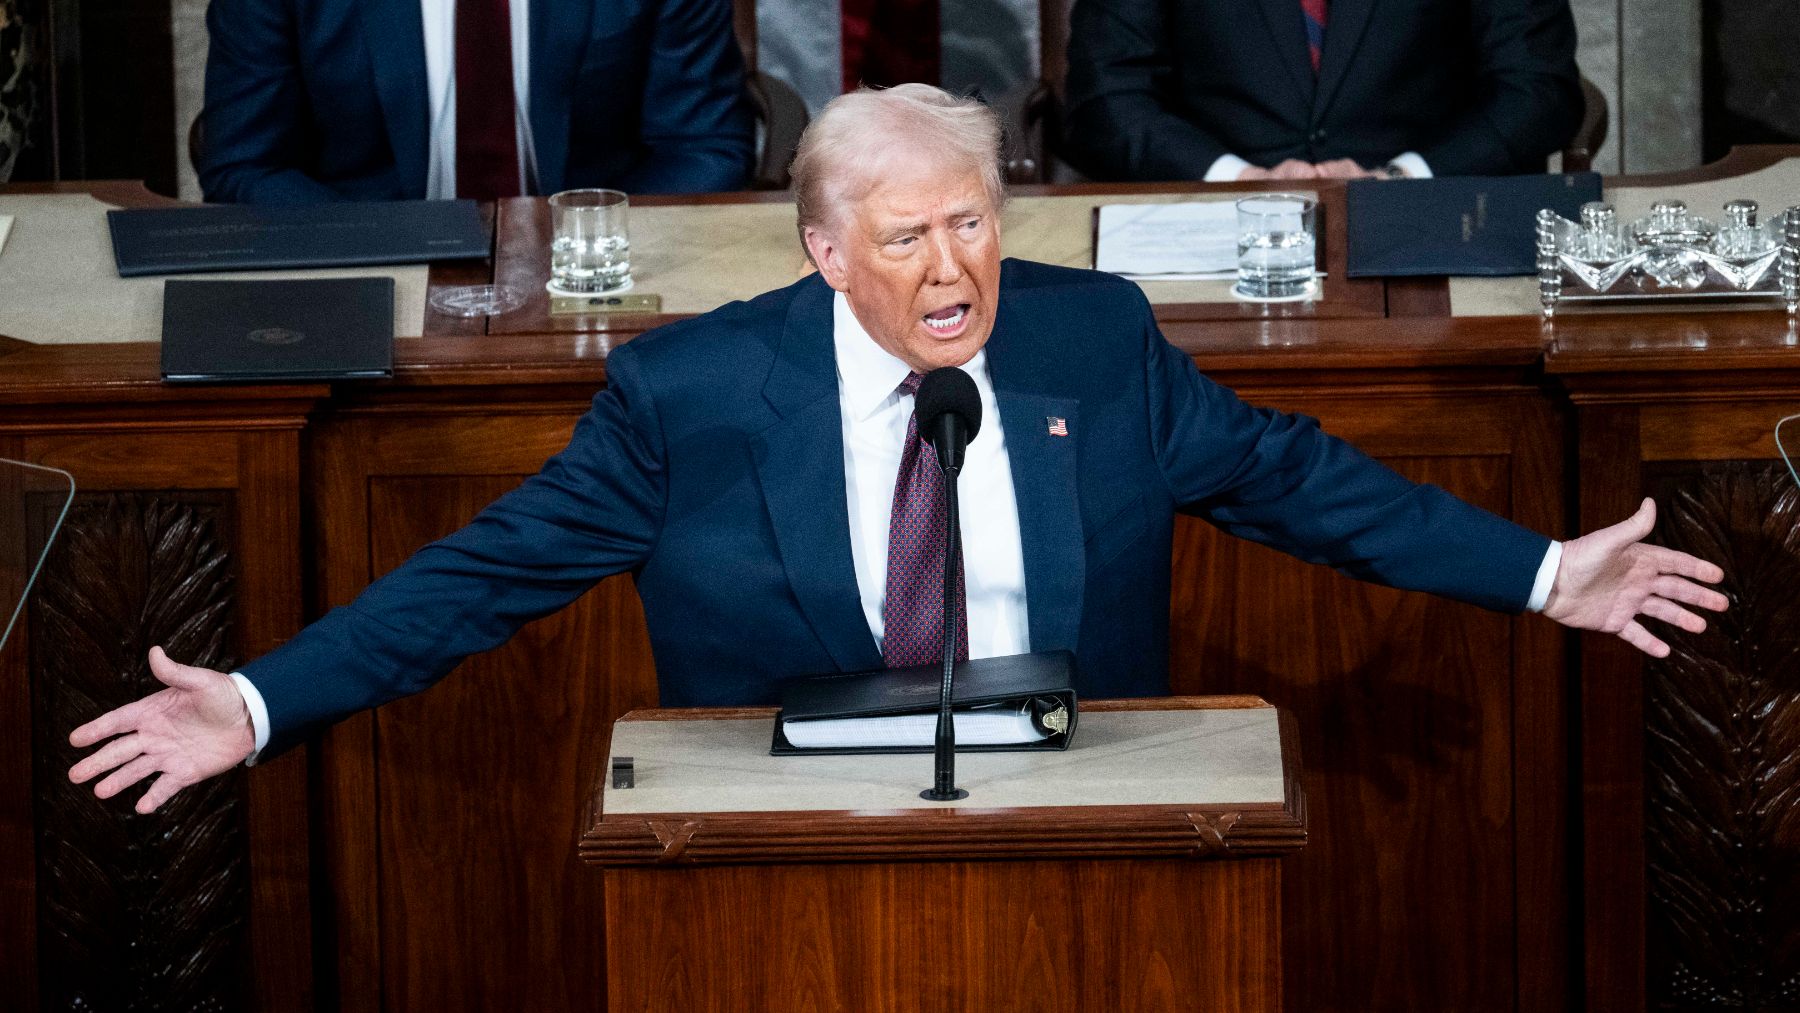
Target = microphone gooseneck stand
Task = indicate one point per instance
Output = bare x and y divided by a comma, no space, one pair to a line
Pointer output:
949,410
944,787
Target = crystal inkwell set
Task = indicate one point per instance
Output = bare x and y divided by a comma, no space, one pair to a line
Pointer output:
1671,253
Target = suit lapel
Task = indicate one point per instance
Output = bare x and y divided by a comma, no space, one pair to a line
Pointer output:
559,38
800,464
1345,23
1287,29
395,30
1044,485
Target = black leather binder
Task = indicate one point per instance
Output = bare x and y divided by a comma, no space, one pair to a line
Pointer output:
1042,683
236,237
1456,225
249,331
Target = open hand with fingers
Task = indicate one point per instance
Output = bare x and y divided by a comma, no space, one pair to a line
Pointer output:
195,728
1609,578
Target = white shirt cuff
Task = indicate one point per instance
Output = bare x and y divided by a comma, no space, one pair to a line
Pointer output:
1410,163
1225,169
1546,578
259,715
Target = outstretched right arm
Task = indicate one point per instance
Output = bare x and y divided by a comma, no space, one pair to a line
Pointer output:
594,510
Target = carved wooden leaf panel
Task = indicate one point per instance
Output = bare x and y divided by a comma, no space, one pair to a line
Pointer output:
140,913
1722,751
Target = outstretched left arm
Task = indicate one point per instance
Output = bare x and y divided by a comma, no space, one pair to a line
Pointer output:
1609,579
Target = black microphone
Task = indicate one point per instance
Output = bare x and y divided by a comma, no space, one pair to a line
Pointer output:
949,411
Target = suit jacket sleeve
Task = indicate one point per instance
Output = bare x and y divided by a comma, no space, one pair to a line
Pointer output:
254,116
1278,479
1529,96
1117,126
696,120
595,509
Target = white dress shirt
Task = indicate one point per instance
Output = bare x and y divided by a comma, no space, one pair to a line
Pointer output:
440,90
874,415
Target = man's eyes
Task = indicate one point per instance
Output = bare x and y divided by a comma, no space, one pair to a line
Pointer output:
904,241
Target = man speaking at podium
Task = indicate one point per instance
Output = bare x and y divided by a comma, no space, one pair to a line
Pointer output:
747,467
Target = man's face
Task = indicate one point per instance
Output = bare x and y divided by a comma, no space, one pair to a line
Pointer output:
919,261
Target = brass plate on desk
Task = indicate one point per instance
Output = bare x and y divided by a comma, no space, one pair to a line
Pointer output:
601,302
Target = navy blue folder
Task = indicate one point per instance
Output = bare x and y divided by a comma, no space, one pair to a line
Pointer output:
1456,225
240,237
278,331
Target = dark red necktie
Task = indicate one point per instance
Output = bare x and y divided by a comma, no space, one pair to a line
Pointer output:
1314,13
487,146
912,617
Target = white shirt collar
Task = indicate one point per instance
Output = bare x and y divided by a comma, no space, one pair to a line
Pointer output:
869,376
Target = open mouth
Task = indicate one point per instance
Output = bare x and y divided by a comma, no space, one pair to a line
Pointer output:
948,320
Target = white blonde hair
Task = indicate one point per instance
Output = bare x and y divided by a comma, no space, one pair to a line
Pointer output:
843,150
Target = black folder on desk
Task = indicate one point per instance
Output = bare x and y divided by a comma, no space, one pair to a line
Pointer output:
238,237
276,331
1456,225
1040,687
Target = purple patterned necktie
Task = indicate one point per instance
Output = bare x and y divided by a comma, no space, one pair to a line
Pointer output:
912,617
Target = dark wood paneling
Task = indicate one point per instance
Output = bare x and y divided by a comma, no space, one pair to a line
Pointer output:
1544,823
1611,726
1144,935
226,875
518,729
1722,750
1404,705
479,814
271,573
160,902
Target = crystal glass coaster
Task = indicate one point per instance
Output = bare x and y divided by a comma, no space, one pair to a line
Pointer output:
1311,292
477,300
554,289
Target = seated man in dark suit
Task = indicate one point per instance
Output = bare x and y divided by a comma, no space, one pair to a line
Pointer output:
747,466
330,100
1223,90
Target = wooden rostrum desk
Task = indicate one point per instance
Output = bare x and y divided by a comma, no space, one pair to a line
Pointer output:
1140,869
1462,850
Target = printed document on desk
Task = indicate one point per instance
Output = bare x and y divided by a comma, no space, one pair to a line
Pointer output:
1195,241
995,725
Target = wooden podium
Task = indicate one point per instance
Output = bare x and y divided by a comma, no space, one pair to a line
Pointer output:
1138,870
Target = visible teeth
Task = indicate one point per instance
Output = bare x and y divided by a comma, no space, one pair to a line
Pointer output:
945,323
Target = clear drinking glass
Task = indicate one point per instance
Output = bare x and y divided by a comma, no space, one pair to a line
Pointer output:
591,251
1276,246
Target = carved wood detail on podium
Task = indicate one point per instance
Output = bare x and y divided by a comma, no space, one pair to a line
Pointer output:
1243,831
1722,750
135,912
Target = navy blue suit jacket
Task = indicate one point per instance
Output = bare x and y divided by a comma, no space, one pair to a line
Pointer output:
712,468
325,100
1159,90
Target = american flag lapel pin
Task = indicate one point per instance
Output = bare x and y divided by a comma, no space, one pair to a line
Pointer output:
1058,426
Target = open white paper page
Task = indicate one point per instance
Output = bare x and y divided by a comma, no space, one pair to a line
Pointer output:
987,726
1194,241
33,502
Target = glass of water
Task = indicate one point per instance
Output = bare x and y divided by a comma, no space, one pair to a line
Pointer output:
1275,247
591,251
